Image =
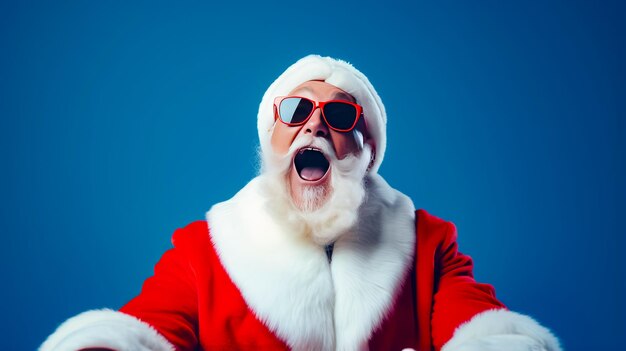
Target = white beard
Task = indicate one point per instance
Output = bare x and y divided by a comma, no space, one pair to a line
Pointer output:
327,211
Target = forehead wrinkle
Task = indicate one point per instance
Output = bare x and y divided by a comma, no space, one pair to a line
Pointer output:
304,88
337,95
344,95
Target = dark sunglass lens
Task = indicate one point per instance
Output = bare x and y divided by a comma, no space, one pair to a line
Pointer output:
340,115
295,110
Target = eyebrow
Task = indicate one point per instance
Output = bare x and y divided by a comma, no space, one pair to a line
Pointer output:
339,94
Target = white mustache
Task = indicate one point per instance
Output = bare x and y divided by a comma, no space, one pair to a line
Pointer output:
309,141
352,166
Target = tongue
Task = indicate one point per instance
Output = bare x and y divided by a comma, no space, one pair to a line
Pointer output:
311,173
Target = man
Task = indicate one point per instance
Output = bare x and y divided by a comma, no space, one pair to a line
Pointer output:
316,253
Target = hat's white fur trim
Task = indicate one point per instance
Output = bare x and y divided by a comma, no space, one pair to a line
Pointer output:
288,282
338,73
502,330
105,329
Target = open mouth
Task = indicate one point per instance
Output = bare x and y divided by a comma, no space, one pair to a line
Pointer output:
311,164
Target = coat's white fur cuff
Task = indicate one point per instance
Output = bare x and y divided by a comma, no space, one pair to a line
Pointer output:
502,330
105,329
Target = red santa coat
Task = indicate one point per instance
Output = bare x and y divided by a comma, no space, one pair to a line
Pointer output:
193,301
242,280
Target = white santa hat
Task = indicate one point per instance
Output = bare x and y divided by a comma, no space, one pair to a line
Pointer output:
338,73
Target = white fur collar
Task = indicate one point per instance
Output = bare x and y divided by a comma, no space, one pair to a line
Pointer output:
287,281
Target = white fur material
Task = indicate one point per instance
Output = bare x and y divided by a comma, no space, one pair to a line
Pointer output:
286,278
105,329
338,73
496,330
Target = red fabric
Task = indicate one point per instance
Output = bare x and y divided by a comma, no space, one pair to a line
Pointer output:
193,303
447,294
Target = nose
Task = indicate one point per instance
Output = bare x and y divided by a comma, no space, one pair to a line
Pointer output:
316,125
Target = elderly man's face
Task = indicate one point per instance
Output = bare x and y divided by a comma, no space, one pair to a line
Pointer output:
308,168
343,143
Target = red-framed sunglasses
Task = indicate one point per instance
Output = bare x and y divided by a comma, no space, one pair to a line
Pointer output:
339,115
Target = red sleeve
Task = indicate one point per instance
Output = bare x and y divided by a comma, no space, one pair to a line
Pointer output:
168,300
457,296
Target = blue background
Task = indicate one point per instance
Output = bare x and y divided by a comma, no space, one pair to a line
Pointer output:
122,122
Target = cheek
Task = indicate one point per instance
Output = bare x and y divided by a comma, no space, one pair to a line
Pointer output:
346,143
282,137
